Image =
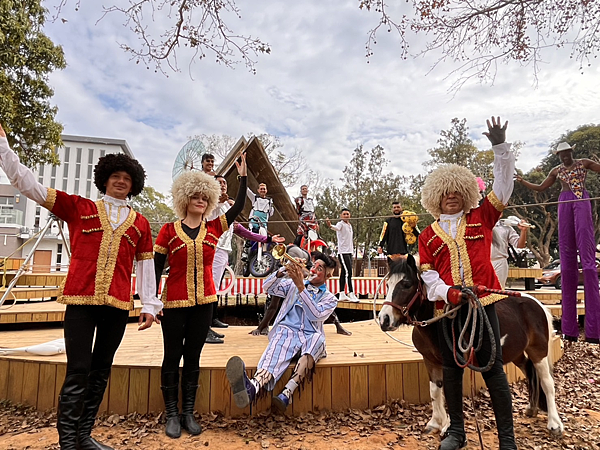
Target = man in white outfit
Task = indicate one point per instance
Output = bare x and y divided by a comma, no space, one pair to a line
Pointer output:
345,236
504,235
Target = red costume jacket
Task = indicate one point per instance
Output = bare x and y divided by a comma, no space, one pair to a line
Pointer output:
101,258
190,260
472,247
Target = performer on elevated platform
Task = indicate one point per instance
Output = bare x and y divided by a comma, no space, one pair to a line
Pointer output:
106,237
297,332
455,253
224,249
189,294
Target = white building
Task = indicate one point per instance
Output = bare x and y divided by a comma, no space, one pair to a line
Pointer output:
21,218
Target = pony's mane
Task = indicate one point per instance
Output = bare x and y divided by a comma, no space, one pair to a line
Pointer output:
399,264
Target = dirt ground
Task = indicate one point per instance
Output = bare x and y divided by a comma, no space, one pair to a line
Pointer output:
394,425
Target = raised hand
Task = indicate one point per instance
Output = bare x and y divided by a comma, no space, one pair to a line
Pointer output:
496,133
241,165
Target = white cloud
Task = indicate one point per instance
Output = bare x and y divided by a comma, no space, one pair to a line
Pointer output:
315,90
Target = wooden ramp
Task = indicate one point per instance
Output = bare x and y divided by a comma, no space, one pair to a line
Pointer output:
361,371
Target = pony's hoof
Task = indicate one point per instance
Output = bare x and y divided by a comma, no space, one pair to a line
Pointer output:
531,412
431,430
556,432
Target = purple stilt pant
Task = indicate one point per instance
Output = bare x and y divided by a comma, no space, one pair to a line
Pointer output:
576,232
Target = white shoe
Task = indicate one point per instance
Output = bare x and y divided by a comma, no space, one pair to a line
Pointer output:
352,297
343,297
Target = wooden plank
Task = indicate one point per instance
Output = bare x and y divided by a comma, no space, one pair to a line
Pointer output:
39,317
8,318
15,381
4,375
424,394
46,387
340,388
410,375
322,389
359,391
377,385
61,371
303,398
139,381
394,382
155,399
119,389
23,317
31,378
203,394
220,393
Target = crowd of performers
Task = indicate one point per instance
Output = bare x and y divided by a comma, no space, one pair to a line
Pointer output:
466,246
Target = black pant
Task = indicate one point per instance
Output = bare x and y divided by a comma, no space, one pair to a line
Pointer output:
184,332
81,321
345,272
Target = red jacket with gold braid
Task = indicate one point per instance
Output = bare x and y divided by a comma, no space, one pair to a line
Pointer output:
101,258
472,247
190,260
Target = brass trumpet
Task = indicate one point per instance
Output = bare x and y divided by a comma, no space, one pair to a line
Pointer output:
279,252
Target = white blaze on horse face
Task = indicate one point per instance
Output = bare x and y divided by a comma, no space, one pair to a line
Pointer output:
388,312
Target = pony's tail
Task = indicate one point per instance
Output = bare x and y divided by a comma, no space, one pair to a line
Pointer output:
536,393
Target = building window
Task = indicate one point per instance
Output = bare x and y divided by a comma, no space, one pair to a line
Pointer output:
53,177
88,187
41,175
36,223
77,170
65,176
59,248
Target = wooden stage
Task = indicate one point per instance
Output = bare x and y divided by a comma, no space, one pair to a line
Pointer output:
361,371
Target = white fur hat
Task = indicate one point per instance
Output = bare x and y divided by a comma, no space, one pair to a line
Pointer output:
445,179
195,182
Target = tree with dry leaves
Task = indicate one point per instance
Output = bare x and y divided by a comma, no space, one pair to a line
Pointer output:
197,25
483,33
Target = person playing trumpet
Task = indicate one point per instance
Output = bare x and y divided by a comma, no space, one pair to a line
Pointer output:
297,332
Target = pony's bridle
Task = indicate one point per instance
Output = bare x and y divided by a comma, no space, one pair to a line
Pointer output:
405,310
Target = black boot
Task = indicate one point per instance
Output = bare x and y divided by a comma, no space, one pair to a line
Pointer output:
455,436
216,323
70,404
502,404
170,389
189,386
97,381
212,338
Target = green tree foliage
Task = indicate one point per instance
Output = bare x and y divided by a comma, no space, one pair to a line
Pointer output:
27,56
543,240
153,206
456,147
367,191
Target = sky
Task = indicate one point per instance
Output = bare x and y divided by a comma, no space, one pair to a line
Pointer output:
315,90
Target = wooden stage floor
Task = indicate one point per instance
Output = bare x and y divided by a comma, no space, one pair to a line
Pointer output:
361,371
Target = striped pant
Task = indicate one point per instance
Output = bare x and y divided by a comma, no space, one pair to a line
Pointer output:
284,346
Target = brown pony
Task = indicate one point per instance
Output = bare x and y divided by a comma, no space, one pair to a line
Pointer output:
525,330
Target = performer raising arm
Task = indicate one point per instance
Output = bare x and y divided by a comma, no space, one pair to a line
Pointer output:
106,236
455,252
575,232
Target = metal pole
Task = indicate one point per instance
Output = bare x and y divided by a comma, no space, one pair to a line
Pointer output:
29,256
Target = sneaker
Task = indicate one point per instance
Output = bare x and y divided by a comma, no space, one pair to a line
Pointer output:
243,390
352,298
281,402
343,297
212,338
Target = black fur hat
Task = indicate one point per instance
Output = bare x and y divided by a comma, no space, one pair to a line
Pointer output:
116,162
